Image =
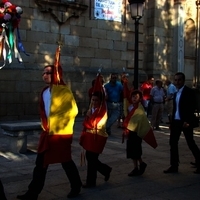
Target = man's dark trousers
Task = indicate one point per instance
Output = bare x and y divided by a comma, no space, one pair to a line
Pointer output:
39,175
176,129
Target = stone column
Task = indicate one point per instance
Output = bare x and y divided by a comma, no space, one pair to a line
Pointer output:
178,57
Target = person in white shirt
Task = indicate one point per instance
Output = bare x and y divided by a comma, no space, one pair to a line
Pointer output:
182,121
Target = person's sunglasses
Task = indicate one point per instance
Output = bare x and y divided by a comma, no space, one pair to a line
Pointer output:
47,73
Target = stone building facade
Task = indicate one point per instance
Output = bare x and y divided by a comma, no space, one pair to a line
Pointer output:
167,43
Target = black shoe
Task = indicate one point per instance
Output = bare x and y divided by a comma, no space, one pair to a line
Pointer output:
108,175
171,169
27,196
73,193
86,185
135,172
143,166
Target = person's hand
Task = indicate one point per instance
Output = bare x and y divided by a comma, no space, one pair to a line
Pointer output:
185,125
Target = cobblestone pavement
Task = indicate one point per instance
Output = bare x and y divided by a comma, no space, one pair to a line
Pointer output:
16,171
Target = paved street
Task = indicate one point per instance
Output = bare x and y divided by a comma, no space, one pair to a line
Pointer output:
16,171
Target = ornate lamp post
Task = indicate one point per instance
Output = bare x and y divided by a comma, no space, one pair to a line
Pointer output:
136,7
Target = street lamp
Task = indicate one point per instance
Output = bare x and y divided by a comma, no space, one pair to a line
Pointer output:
136,7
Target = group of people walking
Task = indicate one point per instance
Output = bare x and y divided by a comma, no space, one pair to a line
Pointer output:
58,110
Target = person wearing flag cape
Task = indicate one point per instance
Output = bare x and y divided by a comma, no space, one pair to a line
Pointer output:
136,128
58,110
93,137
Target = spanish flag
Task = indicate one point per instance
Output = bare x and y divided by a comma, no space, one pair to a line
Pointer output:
93,137
137,121
56,138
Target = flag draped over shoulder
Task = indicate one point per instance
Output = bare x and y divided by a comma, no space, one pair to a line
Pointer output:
94,136
63,108
137,121
56,139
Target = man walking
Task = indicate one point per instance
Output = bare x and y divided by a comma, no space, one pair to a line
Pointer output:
182,121
57,111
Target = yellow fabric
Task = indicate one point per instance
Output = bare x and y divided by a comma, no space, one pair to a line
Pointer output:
139,122
101,127
63,111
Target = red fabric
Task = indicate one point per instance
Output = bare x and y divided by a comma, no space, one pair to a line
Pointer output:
90,91
57,70
98,84
95,142
126,92
150,139
146,89
128,117
92,142
92,121
57,148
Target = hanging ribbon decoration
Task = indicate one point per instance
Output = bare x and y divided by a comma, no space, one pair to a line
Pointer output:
10,15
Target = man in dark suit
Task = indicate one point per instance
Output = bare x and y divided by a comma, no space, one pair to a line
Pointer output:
182,121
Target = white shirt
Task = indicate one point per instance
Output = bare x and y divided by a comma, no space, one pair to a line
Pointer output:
47,101
93,109
177,114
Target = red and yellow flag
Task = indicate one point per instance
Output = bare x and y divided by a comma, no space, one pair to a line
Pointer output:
56,138
137,121
94,136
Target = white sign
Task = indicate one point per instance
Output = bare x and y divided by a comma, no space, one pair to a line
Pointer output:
108,10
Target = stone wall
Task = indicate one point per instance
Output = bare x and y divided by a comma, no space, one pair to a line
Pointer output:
86,45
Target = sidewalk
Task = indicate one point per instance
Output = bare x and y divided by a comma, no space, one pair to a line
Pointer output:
16,171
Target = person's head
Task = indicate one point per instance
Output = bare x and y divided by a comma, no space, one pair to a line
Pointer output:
150,79
167,82
179,80
47,74
136,96
97,98
113,78
159,83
